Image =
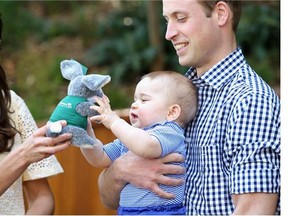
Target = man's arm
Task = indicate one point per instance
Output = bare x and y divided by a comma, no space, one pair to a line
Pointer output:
110,187
255,203
144,173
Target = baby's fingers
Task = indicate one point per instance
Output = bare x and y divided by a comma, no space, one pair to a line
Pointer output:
100,101
106,99
96,108
97,118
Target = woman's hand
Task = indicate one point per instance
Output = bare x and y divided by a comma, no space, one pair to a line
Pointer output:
35,148
38,146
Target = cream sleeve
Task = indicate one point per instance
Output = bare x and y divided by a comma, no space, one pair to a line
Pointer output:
26,125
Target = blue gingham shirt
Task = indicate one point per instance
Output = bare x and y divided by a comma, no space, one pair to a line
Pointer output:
233,144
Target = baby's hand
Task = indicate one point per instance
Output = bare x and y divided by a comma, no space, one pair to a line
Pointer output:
106,115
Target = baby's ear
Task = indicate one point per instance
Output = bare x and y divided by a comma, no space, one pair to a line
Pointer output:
173,112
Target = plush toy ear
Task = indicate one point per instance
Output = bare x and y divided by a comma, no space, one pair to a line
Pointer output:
96,81
71,69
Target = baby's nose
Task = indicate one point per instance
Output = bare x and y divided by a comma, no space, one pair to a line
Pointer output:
134,105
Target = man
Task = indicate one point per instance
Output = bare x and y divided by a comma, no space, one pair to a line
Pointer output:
233,144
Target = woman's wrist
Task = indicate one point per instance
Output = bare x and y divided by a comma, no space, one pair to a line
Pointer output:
20,155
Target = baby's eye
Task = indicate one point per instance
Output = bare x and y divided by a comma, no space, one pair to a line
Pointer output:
143,100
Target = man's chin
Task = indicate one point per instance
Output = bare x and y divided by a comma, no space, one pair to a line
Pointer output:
182,62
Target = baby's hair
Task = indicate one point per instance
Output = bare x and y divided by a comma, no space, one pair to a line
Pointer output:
179,90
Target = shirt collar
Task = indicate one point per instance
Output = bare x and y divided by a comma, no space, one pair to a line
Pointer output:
220,73
162,124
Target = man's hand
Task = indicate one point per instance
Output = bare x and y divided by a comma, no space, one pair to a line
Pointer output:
141,172
149,173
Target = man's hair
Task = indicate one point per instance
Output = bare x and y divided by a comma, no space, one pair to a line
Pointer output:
235,6
179,90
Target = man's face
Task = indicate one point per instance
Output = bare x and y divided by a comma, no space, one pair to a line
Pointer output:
193,34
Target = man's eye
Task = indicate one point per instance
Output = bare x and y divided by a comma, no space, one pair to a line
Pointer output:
181,19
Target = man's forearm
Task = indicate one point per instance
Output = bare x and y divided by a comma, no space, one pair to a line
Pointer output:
255,203
110,187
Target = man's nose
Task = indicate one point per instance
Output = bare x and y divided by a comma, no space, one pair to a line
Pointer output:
171,31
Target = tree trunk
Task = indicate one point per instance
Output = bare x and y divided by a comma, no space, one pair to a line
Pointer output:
155,37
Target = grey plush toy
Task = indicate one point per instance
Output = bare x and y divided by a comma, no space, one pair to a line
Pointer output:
75,107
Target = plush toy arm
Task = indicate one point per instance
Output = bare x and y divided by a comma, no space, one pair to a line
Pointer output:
84,109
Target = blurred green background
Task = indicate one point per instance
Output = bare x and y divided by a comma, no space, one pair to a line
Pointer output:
124,39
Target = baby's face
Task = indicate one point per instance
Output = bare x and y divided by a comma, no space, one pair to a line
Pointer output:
150,103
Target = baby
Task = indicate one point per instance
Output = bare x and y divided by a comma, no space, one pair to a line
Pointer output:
164,103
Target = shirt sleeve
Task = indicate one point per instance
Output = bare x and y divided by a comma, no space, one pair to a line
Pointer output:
26,124
114,149
170,136
254,146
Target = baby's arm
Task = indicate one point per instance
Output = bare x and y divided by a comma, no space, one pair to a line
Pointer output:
96,156
136,140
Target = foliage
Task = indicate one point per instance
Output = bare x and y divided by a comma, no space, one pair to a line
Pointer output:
110,37
126,52
259,37
18,24
123,44
43,87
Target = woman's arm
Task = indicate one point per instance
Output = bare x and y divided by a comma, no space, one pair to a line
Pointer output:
39,197
35,148
11,168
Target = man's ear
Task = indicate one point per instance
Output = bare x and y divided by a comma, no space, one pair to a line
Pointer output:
223,13
173,112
